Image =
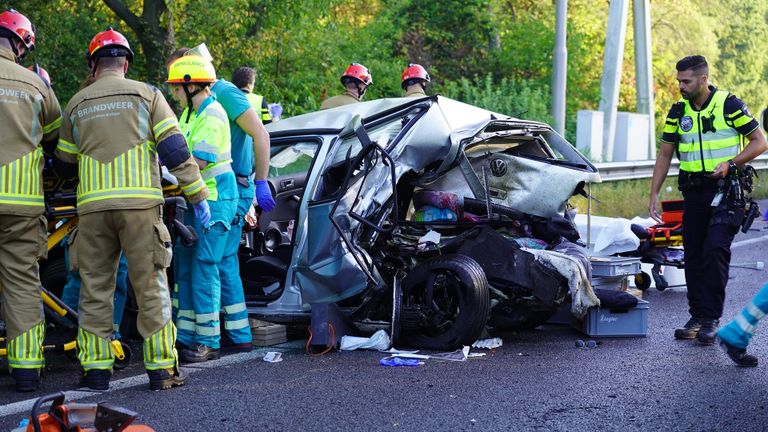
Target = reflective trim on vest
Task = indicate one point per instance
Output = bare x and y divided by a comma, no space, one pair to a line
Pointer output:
129,175
212,171
20,180
701,151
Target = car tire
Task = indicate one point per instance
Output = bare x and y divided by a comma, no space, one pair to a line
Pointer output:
53,275
454,280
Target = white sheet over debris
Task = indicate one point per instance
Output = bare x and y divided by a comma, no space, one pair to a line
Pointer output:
607,235
578,283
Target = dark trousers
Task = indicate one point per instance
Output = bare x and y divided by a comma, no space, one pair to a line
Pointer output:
707,237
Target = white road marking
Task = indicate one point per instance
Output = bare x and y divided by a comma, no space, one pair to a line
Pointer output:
748,242
25,406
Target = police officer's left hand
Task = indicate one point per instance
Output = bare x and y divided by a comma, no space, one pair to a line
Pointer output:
264,196
721,170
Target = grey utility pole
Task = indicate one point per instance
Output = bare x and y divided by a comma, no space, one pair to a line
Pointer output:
609,89
643,69
560,67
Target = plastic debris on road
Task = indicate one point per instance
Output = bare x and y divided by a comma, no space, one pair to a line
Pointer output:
399,361
378,341
273,357
458,355
487,343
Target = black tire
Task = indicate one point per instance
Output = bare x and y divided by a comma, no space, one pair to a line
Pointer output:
642,281
53,275
444,324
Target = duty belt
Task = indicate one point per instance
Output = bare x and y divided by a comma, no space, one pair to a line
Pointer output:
689,180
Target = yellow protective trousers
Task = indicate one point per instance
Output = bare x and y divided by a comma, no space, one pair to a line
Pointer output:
25,351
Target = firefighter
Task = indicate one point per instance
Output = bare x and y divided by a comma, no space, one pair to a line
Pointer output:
30,115
414,81
250,163
356,80
206,127
707,129
115,130
244,78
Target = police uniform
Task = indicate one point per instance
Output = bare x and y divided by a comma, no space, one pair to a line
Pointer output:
197,268
116,129
260,105
30,115
345,98
704,138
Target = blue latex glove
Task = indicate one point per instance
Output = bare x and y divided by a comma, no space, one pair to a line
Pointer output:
202,213
264,196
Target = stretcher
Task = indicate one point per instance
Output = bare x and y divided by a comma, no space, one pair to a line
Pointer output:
660,246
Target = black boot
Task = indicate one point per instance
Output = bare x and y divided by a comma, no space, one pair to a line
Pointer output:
707,332
27,380
163,379
738,355
198,353
689,330
96,379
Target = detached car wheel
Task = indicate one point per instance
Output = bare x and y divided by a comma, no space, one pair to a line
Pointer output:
445,303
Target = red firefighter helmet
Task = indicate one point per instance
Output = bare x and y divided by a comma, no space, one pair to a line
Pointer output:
42,73
357,72
19,25
415,71
109,43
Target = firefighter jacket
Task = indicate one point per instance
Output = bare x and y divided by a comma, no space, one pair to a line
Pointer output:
29,115
415,93
116,129
345,98
711,135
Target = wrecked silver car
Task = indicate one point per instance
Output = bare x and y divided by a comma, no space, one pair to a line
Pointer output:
435,217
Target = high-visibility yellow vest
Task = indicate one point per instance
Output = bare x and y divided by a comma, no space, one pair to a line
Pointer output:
701,148
256,102
20,180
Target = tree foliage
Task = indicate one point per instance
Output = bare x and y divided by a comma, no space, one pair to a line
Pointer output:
493,53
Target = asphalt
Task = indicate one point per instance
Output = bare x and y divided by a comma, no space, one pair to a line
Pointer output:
538,380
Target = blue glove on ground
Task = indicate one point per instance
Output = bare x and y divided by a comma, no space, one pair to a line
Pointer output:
264,196
202,213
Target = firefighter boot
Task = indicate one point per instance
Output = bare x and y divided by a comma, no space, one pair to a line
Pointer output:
27,380
707,332
164,379
738,355
689,330
96,379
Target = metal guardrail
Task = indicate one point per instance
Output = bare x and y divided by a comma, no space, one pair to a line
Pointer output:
633,170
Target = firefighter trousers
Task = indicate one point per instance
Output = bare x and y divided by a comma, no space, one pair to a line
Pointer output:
23,239
146,243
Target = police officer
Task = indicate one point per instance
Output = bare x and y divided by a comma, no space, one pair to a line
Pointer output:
30,116
356,80
414,81
116,129
244,78
250,163
707,128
